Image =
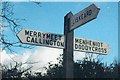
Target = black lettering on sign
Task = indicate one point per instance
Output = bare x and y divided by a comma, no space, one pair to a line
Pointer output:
84,42
93,43
76,20
47,36
90,48
60,37
80,41
28,39
76,40
52,37
51,42
90,12
101,44
58,43
100,50
82,16
62,44
105,50
39,34
79,17
43,35
56,37
86,47
76,46
36,41
54,43
47,42
41,41
87,13
31,33
83,47
90,42
96,48
35,34
32,40
27,32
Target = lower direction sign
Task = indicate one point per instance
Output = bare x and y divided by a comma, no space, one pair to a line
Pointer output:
86,45
41,38
57,41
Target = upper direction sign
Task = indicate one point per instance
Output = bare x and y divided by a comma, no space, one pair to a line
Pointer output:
84,16
41,38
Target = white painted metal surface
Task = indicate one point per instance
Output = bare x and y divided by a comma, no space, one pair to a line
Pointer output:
57,41
93,46
41,38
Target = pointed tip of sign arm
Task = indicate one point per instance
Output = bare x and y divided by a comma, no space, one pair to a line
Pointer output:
97,13
98,9
18,36
19,39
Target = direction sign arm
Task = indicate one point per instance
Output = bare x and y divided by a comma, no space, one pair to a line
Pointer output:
84,16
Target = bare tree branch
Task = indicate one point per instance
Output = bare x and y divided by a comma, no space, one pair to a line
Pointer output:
9,22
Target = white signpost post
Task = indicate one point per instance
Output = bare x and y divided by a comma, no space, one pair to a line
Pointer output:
67,41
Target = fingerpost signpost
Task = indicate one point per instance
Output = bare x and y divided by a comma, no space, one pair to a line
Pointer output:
67,42
70,23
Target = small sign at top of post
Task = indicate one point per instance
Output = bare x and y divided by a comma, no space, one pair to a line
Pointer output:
84,16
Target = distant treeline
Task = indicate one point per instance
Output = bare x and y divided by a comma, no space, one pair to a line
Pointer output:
83,69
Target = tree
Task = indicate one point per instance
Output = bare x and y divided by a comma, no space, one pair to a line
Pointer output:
8,23
12,24
15,71
87,68
56,70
